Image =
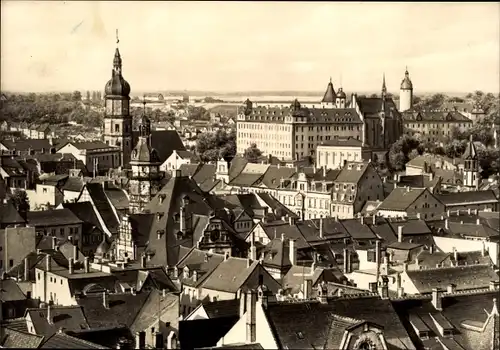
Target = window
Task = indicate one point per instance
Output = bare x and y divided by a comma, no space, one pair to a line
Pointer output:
44,190
61,231
11,262
117,127
53,232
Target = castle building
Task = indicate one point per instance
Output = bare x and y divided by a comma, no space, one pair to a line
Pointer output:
406,93
117,118
145,177
293,132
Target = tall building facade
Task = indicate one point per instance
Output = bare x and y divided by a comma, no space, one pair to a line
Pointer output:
293,132
406,93
117,119
144,182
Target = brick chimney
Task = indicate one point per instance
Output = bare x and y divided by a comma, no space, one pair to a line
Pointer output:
251,331
143,261
49,314
26,269
48,262
451,288
307,288
54,243
159,338
105,301
86,265
321,227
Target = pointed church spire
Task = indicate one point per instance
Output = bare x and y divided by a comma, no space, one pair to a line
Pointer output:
329,96
117,61
384,87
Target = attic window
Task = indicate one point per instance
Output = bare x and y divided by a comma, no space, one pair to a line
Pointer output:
299,335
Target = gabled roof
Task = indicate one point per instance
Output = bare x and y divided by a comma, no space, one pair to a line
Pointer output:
68,317
373,105
85,211
9,214
10,291
25,145
53,217
208,331
401,198
343,142
103,205
165,149
202,262
458,198
154,306
230,275
61,340
17,339
352,172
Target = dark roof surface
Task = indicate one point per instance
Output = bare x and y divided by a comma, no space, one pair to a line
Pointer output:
163,148
65,341
54,217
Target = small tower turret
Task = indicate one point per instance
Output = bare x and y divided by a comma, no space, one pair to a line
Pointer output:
471,166
406,93
329,97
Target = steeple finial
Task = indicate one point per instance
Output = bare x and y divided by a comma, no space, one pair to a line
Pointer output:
406,70
384,88
330,79
144,102
117,38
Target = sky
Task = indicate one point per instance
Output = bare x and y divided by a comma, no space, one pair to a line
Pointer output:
250,46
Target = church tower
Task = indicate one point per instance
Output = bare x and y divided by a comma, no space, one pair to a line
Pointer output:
471,166
328,100
406,93
117,119
145,179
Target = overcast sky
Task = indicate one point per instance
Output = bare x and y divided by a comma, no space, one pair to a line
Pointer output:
235,46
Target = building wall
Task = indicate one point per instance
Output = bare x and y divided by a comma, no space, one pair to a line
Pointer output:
333,157
44,196
439,131
15,244
392,213
71,196
480,207
62,232
174,162
270,138
49,286
405,99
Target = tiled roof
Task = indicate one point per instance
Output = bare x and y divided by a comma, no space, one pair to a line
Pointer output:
54,217
204,172
189,169
430,159
103,205
85,211
316,318
229,275
117,197
25,145
141,227
15,339
64,341
467,197
246,180
154,306
274,174
73,184
343,142
277,254
373,105
277,228
10,291
450,117
68,317
200,261
352,172
222,308
357,230
401,198
89,145
464,277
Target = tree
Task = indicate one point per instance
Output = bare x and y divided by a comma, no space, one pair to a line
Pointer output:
252,153
77,96
20,200
212,146
399,153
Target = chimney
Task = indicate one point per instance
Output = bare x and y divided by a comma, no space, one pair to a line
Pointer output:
455,255
483,249
48,262
478,221
436,299
346,260
176,173
175,273
26,269
451,288
321,227
49,314
405,266
291,220
54,243
226,256
105,301
292,251
448,213
401,292
249,263
378,252
195,276
251,333
384,289
71,266
431,249
86,265
374,219
419,216
182,219
159,337
446,224
493,285
143,261
75,253
362,220
468,211
243,303
133,291
262,296
400,233
323,293
417,263
140,340
307,288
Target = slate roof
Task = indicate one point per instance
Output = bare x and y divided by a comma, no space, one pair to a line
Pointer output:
316,319
276,228
154,304
352,172
438,116
277,254
67,317
200,261
55,217
25,145
189,169
373,105
64,341
123,309
357,230
205,172
401,198
73,184
272,177
464,277
246,180
14,339
165,149
459,198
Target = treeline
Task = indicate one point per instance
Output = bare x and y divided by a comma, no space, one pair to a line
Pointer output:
53,108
